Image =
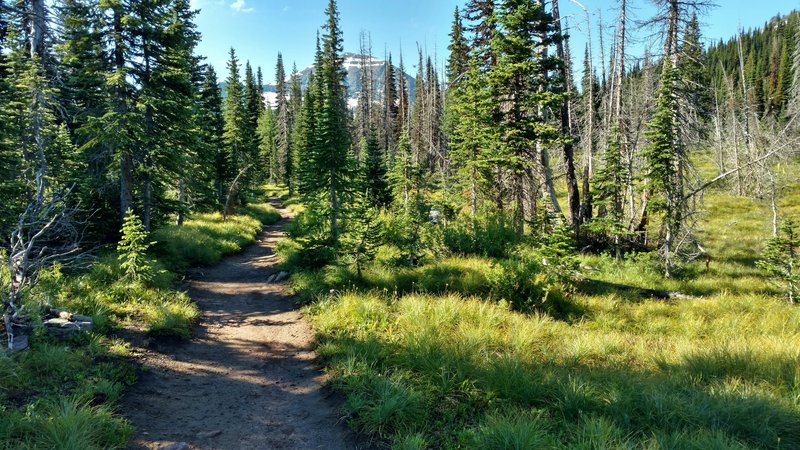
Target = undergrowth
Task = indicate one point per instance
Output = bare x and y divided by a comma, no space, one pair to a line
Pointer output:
63,395
480,347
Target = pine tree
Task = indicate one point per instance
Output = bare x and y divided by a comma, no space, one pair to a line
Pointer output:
235,116
283,126
781,259
331,158
374,172
213,127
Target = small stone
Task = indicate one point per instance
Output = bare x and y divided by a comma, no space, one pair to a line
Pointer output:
57,323
271,278
209,434
283,276
77,318
176,446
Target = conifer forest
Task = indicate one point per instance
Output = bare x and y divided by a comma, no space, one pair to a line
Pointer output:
559,230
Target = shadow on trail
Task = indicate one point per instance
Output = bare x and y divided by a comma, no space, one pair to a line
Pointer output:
248,377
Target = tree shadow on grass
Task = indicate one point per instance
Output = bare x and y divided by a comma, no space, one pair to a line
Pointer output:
454,390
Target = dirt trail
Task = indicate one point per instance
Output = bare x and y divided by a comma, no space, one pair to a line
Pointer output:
247,379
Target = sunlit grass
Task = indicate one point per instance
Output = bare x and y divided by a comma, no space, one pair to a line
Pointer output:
427,357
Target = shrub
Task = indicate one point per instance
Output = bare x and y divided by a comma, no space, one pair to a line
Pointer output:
781,260
490,236
132,248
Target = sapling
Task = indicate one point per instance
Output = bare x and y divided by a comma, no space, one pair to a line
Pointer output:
780,260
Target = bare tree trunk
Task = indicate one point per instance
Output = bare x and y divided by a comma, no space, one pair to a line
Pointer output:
38,28
182,200
573,194
541,150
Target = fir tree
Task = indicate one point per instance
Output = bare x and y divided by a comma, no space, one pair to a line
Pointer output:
458,60
283,127
331,157
235,117
132,249
781,260
374,167
213,127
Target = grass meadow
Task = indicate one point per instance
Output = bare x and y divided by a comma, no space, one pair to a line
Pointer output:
435,356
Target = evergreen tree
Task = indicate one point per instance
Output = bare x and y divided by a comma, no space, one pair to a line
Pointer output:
458,60
374,168
236,124
781,259
665,165
331,158
267,149
213,127
283,127
389,126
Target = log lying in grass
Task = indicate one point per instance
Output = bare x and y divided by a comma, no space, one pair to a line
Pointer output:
645,292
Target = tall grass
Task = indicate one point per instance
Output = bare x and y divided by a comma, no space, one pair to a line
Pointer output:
452,368
62,395
428,357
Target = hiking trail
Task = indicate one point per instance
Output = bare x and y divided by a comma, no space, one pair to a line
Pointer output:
248,378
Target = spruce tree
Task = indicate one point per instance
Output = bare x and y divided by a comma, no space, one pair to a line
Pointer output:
376,187
210,111
458,60
781,260
283,127
236,124
331,158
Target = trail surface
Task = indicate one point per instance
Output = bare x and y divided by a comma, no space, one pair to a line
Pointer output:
247,379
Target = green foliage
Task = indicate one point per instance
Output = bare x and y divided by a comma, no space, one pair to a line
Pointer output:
172,318
70,382
458,371
132,248
559,257
363,236
781,260
205,238
491,235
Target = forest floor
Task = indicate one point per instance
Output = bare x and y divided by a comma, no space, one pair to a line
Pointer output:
247,378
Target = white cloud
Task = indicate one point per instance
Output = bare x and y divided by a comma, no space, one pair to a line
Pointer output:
239,6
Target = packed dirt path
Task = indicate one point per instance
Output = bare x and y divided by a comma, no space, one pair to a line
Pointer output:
247,379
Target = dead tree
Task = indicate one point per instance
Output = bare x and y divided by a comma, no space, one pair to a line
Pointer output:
46,233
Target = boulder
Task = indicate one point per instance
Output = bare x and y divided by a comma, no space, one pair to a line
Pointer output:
65,329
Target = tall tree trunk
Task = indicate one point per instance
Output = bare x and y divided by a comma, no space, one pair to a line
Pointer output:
573,195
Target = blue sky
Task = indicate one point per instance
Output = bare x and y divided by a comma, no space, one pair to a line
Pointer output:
259,29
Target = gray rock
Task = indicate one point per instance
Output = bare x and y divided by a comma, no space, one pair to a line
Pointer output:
283,276
271,278
176,446
209,434
61,324
20,344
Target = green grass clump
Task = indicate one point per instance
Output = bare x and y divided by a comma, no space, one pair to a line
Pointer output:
264,212
205,238
460,365
172,318
67,389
